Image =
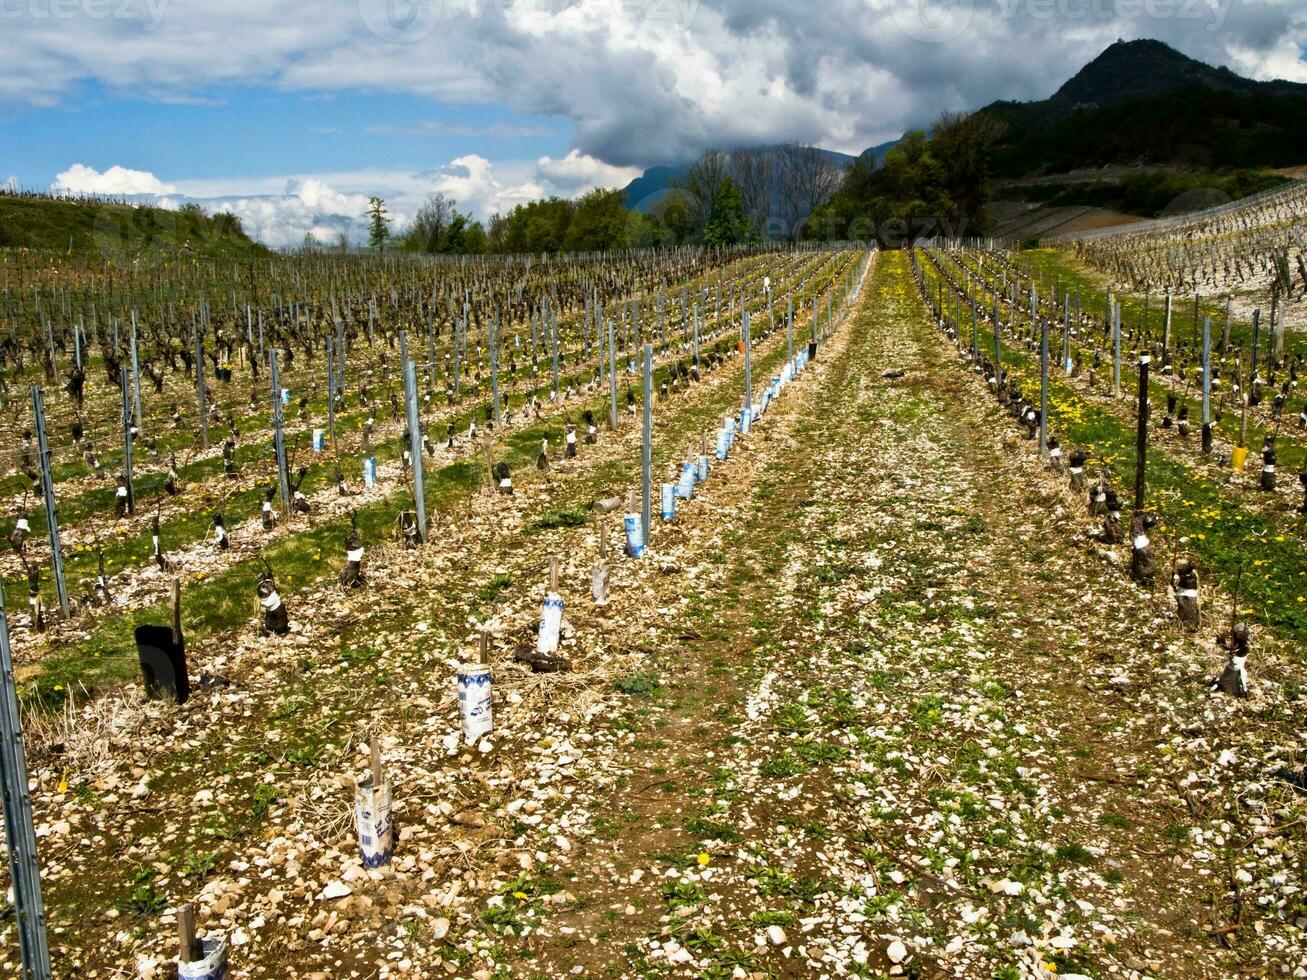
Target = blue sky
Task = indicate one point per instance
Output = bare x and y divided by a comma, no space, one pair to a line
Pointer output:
290,114
226,133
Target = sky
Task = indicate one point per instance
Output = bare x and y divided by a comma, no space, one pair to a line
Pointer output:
291,113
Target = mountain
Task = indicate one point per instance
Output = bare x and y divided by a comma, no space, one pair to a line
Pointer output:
878,151
643,193
1143,69
1142,102
651,186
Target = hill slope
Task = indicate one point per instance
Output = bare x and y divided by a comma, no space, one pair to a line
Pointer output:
119,230
1144,102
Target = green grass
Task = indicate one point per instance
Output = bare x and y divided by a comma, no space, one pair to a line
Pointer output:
1222,531
120,231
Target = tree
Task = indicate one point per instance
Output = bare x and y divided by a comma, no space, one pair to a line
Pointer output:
675,212
808,180
599,222
472,240
432,225
378,223
728,224
757,174
703,183
935,184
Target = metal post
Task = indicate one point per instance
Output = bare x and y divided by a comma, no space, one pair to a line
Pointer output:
748,363
1043,387
998,345
789,328
553,340
1207,384
1066,331
24,872
431,349
331,393
460,334
647,458
494,367
47,488
127,440
1141,435
415,443
612,379
696,335
1166,330
1257,329
340,356
199,387
136,379
1116,350
278,435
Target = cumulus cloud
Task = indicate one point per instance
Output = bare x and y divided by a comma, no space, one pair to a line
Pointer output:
577,173
280,211
116,181
643,81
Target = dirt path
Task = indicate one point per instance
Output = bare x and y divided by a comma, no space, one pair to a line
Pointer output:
901,718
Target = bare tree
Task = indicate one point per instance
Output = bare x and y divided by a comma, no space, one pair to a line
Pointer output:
432,222
704,182
757,173
808,179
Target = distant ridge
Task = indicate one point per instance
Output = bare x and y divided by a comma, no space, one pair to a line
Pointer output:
1143,102
643,193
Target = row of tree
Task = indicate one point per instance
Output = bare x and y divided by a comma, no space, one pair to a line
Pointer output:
929,183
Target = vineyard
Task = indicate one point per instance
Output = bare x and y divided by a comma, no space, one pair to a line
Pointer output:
730,612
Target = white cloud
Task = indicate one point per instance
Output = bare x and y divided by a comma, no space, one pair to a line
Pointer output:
118,181
643,81
577,173
280,211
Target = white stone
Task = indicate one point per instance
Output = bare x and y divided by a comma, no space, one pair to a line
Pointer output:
337,889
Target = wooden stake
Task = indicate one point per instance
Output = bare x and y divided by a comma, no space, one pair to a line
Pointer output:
553,573
484,655
186,933
176,611
375,751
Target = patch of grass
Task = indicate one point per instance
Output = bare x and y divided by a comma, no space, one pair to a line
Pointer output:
573,517
638,685
200,864
706,828
683,894
143,898
1072,853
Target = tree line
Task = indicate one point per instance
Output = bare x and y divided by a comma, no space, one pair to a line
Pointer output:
930,183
